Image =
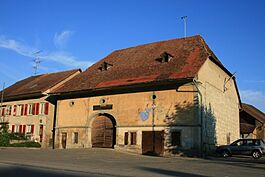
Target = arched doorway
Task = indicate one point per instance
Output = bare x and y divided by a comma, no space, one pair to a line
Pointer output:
103,133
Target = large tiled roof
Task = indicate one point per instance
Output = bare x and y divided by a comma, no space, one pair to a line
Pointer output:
36,85
254,112
141,64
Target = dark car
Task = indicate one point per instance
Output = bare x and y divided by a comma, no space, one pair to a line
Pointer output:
253,147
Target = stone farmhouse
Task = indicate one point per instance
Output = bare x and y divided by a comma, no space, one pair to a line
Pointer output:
25,107
160,98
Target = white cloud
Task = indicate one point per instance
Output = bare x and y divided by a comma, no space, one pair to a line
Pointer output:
256,98
61,39
16,46
59,57
66,59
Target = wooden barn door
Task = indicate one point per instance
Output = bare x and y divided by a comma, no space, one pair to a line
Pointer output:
153,142
102,132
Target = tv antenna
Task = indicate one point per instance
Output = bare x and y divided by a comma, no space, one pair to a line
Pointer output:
184,18
36,61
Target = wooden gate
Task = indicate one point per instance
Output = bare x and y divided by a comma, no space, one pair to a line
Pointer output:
153,142
103,132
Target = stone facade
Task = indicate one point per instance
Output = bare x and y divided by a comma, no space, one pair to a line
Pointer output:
77,115
220,105
37,124
174,110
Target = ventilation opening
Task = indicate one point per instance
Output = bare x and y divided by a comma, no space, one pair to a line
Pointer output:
105,66
164,57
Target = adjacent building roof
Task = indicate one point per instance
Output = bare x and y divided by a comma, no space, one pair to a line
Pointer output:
36,85
254,112
166,60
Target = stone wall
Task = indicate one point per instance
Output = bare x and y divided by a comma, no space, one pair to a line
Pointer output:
220,105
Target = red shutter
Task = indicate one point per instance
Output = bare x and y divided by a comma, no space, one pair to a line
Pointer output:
22,109
13,128
37,108
32,129
15,109
46,108
33,109
20,128
24,129
26,110
3,111
10,110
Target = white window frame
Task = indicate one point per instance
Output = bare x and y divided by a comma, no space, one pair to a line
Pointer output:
16,130
19,109
42,108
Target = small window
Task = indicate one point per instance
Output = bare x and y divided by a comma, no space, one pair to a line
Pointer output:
126,135
105,66
19,110
228,138
42,108
133,138
176,138
16,129
75,138
30,129
30,109
164,57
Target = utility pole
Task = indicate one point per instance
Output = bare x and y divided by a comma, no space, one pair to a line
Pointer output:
184,18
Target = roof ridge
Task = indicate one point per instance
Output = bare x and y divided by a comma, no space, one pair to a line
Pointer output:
168,40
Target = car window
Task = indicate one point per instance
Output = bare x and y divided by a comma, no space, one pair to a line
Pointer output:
237,143
256,142
250,142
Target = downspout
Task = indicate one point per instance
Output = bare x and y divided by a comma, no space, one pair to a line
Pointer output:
201,117
54,124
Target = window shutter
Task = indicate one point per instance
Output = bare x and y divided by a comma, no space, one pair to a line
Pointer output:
26,110
3,111
32,129
33,109
10,110
37,108
13,128
22,109
24,129
15,110
46,108
20,128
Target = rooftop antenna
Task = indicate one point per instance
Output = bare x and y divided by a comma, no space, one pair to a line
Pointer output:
36,61
184,18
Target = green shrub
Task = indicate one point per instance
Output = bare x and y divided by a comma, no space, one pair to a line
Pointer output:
4,139
26,144
17,136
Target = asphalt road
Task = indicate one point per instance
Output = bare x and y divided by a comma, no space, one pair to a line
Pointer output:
108,162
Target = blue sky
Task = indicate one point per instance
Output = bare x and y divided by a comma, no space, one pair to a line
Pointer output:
77,33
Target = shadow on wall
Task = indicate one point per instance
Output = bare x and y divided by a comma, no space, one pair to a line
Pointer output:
188,115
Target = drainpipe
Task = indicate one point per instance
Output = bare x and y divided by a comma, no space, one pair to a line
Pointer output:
201,117
54,124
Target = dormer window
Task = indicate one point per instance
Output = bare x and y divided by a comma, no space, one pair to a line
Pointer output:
164,57
105,66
